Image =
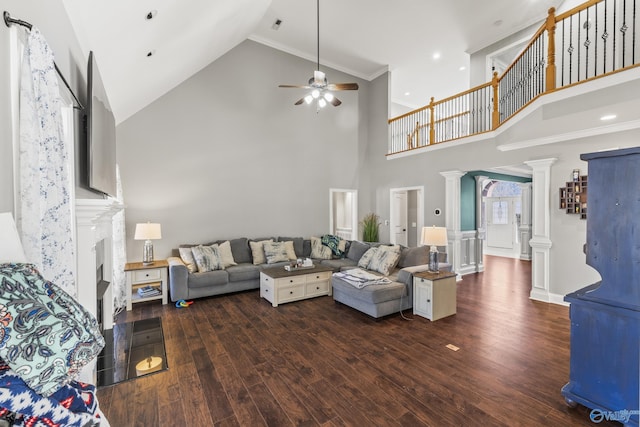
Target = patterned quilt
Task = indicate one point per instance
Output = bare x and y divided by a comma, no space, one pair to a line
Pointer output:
72,405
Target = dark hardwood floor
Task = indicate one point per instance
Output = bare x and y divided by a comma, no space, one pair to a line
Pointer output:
236,361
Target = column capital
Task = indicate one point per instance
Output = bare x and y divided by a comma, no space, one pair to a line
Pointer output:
541,164
453,174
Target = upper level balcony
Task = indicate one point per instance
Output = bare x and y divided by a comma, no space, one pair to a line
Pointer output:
585,59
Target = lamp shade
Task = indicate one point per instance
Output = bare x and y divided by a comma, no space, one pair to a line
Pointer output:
148,231
434,236
10,246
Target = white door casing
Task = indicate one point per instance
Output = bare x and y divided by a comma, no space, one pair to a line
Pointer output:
393,222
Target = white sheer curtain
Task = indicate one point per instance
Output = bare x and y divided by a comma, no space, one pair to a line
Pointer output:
45,210
118,279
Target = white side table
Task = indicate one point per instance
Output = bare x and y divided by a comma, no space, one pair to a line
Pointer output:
140,276
434,294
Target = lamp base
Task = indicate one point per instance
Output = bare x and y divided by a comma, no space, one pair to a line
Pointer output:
433,259
147,253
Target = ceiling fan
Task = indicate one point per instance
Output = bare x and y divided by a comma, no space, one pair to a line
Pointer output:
320,88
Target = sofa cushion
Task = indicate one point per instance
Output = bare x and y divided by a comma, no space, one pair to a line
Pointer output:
210,278
414,256
318,250
339,264
306,248
242,272
207,258
240,250
356,250
275,252
257,251
298,245
226,256
372,294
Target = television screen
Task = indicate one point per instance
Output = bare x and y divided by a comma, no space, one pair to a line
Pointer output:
101,134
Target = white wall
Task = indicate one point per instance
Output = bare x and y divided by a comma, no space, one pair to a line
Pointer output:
226,154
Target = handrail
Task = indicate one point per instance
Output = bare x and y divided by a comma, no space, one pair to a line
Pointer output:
533,73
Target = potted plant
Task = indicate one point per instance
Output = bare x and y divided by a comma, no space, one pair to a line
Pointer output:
370,227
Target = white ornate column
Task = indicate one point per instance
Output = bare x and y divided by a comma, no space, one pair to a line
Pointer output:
452,217
540,228
480,230
524,229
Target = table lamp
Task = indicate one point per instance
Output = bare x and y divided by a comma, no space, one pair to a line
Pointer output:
10,246
148,232
434,237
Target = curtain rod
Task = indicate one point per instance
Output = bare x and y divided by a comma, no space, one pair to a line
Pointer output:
8,20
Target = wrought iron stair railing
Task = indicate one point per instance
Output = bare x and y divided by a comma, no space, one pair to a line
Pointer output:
592,40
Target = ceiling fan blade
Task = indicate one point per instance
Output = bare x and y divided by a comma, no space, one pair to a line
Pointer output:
300,101
296,86
335,102
342,86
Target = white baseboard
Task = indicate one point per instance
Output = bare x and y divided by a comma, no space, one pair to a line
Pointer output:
549,298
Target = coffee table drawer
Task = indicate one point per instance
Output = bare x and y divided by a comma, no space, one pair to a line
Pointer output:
290,293
291,281
317,288
324,275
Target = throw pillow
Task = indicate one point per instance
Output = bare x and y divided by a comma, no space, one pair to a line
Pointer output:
336,244
384,261
257,251
207,258
224,249
46,336
365,259
276,252
186,255
291,251
318,250
298,245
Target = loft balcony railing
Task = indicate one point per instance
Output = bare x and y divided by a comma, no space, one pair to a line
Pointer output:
592,40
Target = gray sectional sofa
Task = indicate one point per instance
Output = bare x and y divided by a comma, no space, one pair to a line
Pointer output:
374,300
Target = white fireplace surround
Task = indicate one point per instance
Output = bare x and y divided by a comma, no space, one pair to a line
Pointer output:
94,222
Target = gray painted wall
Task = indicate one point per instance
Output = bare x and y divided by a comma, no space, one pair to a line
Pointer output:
227,154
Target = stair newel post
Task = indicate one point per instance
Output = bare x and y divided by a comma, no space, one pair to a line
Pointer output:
551,51
495,117
432,123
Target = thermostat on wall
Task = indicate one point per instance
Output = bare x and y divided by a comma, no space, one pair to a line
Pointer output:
437,212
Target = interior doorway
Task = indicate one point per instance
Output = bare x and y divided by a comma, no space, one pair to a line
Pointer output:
502,211
343,213
406,217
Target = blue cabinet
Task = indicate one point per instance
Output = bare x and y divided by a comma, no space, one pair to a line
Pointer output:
605,317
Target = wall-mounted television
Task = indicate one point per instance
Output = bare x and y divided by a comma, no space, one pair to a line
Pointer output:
101,134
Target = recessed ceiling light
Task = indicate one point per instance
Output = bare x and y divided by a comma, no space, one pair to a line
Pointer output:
436,55
608,117
407,93
152,14
462,68
151,53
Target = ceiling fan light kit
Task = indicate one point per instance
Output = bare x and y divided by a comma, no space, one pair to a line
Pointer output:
318,84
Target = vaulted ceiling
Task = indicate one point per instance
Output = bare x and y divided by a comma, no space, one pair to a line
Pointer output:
364,38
